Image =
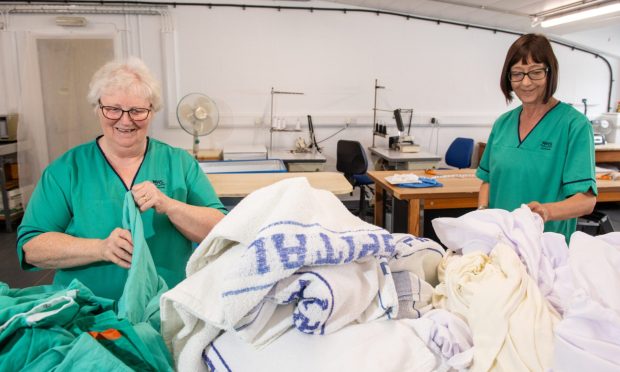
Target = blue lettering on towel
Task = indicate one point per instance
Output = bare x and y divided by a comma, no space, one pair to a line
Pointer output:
389,246
261,256
351,244
290,251
370,248
329,258
287,253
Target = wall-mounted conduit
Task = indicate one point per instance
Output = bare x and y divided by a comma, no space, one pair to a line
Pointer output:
438,21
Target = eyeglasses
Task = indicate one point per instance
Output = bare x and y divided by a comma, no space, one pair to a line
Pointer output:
538,74
116,113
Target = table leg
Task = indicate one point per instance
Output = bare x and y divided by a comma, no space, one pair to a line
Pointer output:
379,205
416,218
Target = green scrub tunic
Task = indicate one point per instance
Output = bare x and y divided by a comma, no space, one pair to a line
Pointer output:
553,162
80,194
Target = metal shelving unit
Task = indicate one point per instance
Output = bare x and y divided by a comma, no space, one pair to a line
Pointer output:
271,128
374,115
8,155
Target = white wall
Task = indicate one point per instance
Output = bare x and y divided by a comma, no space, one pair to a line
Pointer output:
236,56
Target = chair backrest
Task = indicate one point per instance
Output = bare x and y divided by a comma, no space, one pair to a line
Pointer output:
350,158
459,153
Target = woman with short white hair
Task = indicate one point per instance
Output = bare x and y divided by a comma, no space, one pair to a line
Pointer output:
73,220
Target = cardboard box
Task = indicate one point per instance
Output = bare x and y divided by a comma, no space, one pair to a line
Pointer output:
15,200
13,171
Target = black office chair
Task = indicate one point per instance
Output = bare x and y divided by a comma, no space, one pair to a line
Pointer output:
351,160
459,153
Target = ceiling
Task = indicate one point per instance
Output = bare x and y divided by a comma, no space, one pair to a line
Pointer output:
600,34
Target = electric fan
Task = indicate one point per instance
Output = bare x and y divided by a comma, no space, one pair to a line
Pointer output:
198,115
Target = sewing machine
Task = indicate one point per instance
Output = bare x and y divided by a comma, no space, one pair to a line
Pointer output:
403,143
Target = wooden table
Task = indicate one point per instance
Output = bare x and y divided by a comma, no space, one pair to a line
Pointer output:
207,154
608,153
455,193
239,185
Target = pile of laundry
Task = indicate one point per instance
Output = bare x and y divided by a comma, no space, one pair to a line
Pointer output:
289,279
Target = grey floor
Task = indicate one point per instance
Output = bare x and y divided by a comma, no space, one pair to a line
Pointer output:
10,271
15,277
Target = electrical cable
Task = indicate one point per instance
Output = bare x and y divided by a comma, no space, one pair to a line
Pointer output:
325,139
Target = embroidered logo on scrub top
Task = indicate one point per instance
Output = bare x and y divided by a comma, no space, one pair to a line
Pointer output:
160,184
545,145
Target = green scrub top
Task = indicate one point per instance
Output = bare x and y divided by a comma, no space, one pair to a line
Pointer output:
80,194
553,162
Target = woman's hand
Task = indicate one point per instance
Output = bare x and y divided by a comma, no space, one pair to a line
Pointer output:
540,209
147,195
118,248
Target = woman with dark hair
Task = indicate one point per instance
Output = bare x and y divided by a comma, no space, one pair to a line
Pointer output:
541,153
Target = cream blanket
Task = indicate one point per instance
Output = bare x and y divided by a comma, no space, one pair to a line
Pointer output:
545,255
511,323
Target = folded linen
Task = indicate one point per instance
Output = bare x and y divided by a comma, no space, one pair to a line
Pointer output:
324,299
403,178
412,180
266,238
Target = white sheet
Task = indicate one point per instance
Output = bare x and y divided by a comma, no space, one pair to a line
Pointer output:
588,338
376,346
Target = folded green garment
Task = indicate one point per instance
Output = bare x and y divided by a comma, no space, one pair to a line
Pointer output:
424,182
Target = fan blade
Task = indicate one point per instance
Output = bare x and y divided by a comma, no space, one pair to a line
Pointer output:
185,112
198,127
202,101
210,125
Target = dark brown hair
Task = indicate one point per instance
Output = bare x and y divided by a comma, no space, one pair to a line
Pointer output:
538,48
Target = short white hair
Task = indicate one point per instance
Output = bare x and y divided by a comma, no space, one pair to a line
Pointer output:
131,76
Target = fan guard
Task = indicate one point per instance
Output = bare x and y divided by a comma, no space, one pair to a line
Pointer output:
198,115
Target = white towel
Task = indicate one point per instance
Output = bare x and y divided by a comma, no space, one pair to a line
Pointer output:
324,299
545,255
387,346
267,237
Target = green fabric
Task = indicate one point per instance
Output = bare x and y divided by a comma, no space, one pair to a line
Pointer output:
83,353
80,194
554,162
46,328
45,331
144,287
141,346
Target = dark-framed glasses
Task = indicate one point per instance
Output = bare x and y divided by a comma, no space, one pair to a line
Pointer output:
537,74
116,113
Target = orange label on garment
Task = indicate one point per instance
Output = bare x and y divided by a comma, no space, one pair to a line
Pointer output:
108,334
